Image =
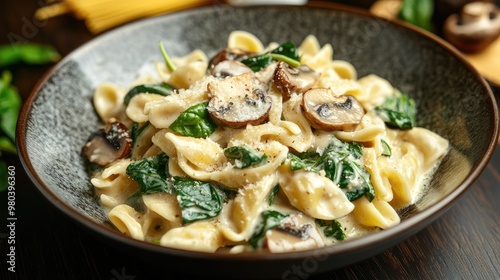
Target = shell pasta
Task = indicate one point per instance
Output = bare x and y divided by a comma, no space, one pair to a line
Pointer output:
261,147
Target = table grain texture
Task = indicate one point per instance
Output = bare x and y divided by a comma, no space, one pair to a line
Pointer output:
464,243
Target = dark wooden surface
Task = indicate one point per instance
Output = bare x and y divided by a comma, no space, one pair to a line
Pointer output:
462,244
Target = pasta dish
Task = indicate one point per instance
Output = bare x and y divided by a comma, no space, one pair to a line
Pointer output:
257,148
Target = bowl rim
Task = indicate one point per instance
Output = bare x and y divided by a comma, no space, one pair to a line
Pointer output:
404,228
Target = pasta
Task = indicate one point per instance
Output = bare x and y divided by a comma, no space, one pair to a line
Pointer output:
311,156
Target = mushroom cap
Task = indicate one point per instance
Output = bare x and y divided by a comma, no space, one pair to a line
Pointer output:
238,101
326,111
228,54
229,68
288,79
109,144
477,25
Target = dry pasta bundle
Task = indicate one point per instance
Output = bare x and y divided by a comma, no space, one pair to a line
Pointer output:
259,148
100,15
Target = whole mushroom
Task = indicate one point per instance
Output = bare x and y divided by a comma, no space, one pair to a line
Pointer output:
477,26
326,111
108,144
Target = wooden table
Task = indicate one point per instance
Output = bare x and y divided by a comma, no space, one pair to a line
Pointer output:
463,244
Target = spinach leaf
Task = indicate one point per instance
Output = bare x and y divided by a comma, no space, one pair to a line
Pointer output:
151,174
418,13
136,130
307,161
194,122
398,112
386,149
341,162
29,53
272,194
198,200
10,104
286,52
135,201
160,89
269,220
244,156
332,229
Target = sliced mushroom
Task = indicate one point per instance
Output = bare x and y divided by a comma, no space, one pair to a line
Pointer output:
328,112
238,101
477,26
228,54
109,144
296,234
289,79
229,68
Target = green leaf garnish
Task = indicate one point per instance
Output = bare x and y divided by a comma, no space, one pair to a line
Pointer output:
244,156
194,122
198,200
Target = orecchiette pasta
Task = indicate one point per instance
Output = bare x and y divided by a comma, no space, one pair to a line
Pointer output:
181,171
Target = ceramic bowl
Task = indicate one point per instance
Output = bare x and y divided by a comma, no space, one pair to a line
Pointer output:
452,100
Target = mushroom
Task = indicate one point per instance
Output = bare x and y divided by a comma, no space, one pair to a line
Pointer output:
228,54
288,79
295,234
108,144
238,101
477,26
229,68
326,111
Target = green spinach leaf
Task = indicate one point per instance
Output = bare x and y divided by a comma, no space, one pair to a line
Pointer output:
272,194
286,52
151,174
198,200
332,229
269,220
244,156
418,13
387,151
29,53
341,162
10,104
136,130
194,122
398,112
163,89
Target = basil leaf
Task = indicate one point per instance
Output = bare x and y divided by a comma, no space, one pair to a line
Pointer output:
332,229
286,52
161,89
194,122
418,13
398,112
198,200
151,174
244,156
269,220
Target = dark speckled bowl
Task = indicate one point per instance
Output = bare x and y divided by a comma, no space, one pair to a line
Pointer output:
453,100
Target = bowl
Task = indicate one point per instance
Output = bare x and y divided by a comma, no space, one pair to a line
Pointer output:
452,100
